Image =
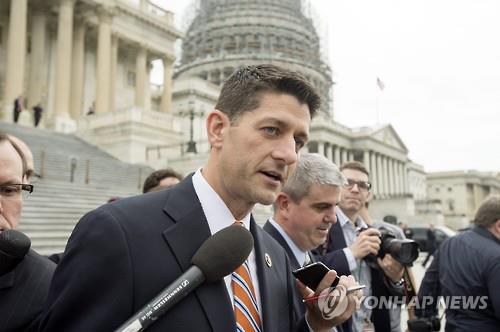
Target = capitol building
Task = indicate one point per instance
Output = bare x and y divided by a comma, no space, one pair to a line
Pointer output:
88,64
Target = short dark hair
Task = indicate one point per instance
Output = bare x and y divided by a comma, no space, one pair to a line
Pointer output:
355,165
242,90
154,178
5,138
488,212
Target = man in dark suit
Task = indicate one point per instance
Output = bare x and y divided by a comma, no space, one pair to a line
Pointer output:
304,211
23,290
122,254
347,249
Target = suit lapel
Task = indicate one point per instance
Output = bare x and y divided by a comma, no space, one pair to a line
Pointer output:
264,274
7,280
271,230
184,237
336,238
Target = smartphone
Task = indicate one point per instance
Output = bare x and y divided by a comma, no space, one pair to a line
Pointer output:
312,274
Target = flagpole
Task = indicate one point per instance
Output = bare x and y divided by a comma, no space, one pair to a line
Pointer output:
380,85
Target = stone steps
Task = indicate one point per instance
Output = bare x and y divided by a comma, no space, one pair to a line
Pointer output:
51,212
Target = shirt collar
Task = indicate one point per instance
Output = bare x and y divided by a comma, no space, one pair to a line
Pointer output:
343,219
486,233
216,211
300,255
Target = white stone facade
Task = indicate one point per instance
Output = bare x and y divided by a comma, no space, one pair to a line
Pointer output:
460,193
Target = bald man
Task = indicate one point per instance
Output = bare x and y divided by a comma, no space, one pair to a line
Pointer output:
28,157
24,288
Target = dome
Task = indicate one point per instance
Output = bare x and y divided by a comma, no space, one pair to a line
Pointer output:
226,34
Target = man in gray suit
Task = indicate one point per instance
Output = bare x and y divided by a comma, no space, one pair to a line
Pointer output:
304,211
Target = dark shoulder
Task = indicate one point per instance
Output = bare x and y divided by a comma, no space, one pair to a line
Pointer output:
40,262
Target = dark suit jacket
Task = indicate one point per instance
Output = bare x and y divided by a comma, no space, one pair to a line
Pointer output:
23,292
335,258
298,305
123,254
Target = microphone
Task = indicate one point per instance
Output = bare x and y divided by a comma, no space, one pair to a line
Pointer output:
218,256
14,245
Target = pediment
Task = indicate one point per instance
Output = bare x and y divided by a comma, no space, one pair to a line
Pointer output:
389,136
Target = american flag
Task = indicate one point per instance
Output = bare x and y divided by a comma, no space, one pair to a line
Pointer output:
380,84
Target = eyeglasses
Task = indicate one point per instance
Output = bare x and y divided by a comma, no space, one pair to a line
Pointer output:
362,185
15,190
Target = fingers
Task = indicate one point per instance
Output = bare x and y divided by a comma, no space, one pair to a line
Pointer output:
327,281
304,291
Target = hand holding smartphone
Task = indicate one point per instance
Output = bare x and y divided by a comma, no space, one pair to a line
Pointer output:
312,274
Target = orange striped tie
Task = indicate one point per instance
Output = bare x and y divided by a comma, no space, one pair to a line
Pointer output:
246,310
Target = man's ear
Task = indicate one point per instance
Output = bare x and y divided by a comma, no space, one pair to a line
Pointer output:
217,122
282,202
370,196
496,229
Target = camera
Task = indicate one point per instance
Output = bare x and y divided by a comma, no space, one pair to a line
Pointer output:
404,251
424,324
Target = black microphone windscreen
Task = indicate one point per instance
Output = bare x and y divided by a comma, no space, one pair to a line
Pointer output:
14,244
223,252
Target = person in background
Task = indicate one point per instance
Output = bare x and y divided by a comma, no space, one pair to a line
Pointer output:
304,211
18,107
24,289
466,269
161,179
431,244
351,241
37,114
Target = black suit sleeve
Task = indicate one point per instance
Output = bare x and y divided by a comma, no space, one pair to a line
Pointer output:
337,261
92,284
494,288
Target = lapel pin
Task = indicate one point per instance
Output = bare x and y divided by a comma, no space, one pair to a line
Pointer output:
268,260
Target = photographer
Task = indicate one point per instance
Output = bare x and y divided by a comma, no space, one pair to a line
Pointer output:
347,248
466,271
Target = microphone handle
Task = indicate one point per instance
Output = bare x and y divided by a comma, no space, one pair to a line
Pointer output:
167,298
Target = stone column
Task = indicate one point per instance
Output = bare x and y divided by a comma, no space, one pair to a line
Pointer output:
344,155
398,177
406,189
103,73
392,177
78,70
140,77
329,152
113,66
64,48
374,173
16,54
402,171
380,175
321,148
166,97
147,86
385,170
366,160
337,155
38,35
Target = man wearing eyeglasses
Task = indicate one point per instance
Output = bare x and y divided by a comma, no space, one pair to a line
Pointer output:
24,289
347,247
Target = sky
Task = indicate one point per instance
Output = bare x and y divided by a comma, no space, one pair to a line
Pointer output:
439,61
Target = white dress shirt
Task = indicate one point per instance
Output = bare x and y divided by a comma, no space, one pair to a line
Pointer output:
219,217
300,256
